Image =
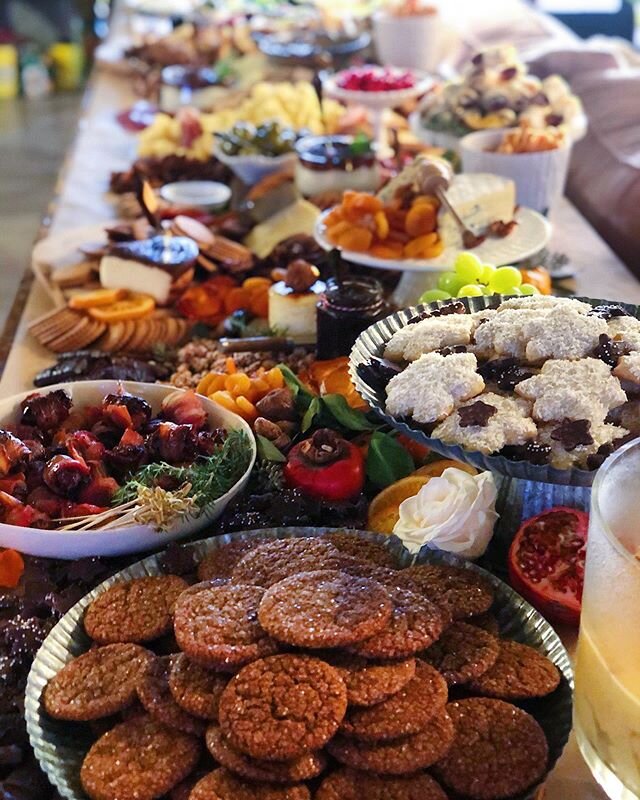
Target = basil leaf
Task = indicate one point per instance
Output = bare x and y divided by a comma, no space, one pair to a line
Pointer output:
310,414
302,395
268,451
341,411
387,460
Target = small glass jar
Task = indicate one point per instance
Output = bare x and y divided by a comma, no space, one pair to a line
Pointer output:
345,310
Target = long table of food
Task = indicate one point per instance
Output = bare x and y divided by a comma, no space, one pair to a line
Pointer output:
180,366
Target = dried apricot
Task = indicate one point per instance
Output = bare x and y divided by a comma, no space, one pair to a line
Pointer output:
417,247
391,250
259,304
356,238
396,217
381,225
421,219
236,299
335,231
334,216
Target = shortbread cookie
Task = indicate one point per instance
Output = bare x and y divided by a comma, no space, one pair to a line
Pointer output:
503,334
429,334
573,441
487,423
546,302
431,387
626,329
628,368
562,333
583,389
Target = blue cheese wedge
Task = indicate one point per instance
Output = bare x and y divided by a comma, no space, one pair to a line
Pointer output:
479,199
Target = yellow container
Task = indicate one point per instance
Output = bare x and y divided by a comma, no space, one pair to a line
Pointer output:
8,71
67,60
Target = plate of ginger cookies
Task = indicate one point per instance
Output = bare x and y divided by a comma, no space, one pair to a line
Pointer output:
299,663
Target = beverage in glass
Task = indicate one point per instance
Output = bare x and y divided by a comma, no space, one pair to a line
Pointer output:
607,695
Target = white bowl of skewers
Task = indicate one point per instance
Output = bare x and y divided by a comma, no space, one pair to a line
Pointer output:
197,458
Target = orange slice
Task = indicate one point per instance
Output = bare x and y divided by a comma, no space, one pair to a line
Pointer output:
97,298
384,508
436,468
135,306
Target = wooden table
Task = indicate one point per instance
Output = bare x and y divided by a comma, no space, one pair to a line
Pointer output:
102,146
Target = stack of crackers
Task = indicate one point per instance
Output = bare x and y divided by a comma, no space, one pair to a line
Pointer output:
305,665
64,330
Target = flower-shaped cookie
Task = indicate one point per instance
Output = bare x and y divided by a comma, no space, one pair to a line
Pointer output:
572,448
430,388
575,390
562,333
478,428
429,334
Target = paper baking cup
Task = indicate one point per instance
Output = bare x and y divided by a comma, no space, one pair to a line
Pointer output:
371,343
60,746
540,178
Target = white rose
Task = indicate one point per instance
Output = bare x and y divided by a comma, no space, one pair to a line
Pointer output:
455,512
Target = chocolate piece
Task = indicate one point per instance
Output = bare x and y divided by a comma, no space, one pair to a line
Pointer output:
609,350
478,413
608,311
572,433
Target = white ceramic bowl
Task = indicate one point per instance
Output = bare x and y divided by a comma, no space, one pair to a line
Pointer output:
209,195
539,177
253,168
414,42
135,538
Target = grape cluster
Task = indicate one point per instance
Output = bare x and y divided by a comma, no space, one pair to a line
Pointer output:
472,278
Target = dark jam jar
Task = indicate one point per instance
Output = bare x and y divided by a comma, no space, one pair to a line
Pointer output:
345,310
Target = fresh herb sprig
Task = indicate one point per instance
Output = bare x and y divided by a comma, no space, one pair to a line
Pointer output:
209,477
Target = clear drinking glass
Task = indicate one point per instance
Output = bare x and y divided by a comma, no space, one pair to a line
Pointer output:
607,696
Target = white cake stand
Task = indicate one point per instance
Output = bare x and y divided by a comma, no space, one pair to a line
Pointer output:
378,102
530,235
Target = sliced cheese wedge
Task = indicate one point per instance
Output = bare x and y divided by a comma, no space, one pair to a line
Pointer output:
480,199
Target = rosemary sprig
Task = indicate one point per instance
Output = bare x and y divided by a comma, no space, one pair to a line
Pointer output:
208,477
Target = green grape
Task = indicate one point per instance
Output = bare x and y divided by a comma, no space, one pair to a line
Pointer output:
432,295
468,267
487,290
487,273
528,289
450,282
505,278
471,290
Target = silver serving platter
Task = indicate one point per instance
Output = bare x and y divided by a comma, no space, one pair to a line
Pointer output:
371,343
60,747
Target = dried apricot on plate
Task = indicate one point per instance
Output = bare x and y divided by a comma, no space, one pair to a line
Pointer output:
336,231
417,247
421,219
356,238
98,297
390,250
334,216
381,224
359,204
135,306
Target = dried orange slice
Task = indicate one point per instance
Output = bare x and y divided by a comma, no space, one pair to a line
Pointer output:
97,298
384,508
135,306
436,468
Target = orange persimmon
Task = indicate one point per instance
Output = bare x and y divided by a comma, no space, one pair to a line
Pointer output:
259,304
538,277
235,299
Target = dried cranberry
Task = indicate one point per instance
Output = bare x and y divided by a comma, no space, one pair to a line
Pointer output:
609,350
608,311
506,373
534,452
572,433
554,119
477,414
449,351
508,74
539,99
378,372
497,103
